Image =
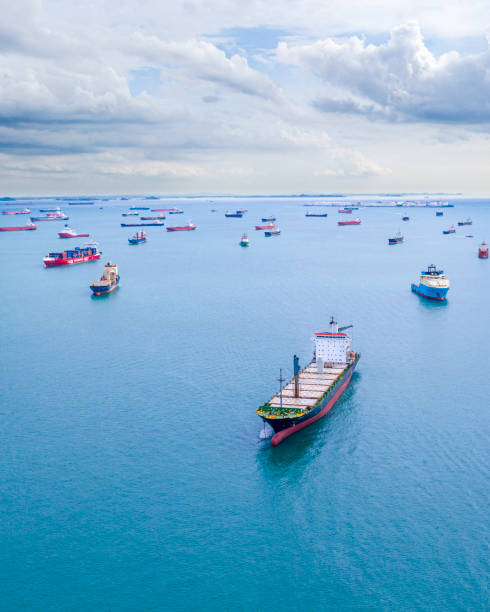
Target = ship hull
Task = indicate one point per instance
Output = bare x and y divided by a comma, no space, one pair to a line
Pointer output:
483,255
432,293
180,229
21,228
66,235
70,260
97,291
131,241
284,428
395,240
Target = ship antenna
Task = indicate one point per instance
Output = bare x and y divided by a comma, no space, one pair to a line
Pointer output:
281,380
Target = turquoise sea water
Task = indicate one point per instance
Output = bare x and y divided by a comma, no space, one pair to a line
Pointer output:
133,475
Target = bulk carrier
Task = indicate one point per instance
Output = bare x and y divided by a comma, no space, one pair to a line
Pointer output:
313,391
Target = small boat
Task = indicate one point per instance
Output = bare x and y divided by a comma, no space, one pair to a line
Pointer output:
176,211
130,214
144,224
397,239
237,214
26,211
70,233
182,228
483,250
451,230
405,218
467,222
108,281
139,208
355,221
439,213
275,232
433,284
244,241
265,227
138,238
313,214
77,255
345,210
270,219
18,228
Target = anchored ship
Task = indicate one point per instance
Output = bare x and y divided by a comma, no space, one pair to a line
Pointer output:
138,238
439,213
57,215
355,221
483,250
182,228
467,222
268,219
314,214
274,232
265,227
345,210
108,281
18,228
451,230
433,284
89,252
397,239
313,391
244,241
238,214
143,224
26,211
71,233
405,218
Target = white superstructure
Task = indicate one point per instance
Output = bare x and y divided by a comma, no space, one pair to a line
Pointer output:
332,348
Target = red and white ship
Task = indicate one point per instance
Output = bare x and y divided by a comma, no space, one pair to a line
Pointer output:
270,226
355,221
89,252
71,233
483,250
26,211
345,210
182,228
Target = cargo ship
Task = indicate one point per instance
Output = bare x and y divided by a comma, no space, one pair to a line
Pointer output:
433,284
405,218
397,239
268,219
130,214
138,238
182,228
451,230
244,241
347,211
274,232
159,218
355,221
143,224
77,255
58,215
108,281
265,227
71,233
139,208
313,214
26,211
483,250
237,214
176,211
439,213
467,222
313,391
18,228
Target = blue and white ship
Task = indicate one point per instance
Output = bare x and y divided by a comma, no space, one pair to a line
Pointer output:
433,284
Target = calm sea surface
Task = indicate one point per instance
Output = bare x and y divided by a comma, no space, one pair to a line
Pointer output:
132,471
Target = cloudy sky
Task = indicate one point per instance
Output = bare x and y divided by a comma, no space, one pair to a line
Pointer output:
264,96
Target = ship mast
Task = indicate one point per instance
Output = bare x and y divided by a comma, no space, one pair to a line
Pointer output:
281,380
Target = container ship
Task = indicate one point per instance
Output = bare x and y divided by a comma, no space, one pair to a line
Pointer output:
182,228
71,233
355,221
397,239
108,281
483,250
77,255
433,284
138,238
313,391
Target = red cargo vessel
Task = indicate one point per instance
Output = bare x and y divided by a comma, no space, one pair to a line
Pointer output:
89,252
483,251
345,210
26,211
182,228
18,228
355,221
265,227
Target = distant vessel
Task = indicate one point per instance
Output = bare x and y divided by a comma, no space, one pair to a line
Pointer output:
233,214
80,203
176,211
26,211
451,230
244,241
467,222
274,232
138,238
405,218
130,214
483,250
439,213
266,219
397,239
313,391
143,224
77,255
433,284
70,233
159,217
57,215
45,210
182,228
18,228
139,208
108,281
355,221
345,210
314,214
265,227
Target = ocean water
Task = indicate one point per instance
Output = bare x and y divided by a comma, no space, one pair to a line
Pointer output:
134,474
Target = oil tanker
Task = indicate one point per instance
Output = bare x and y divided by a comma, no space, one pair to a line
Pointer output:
313,391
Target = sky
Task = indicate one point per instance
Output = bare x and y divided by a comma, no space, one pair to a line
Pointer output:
257,97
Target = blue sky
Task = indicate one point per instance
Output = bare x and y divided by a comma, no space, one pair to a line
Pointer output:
227,97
